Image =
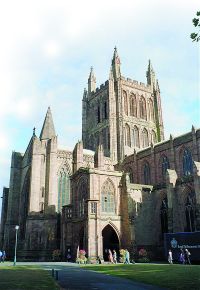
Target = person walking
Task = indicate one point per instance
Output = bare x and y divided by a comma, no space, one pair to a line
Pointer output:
110,256
114,257
182,257
127,257
170,258
187,257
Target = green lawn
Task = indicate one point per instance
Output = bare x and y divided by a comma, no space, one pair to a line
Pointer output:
26,278
168,276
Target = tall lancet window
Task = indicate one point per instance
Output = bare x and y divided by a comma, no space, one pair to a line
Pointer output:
147,173
187,162
63,189
127,136
133,106
136,142
151,111
108,198
143,112
190,213
125,102
164,216
145,138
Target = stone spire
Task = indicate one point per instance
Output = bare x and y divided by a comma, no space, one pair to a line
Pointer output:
48,130
151,80
91,81
116,64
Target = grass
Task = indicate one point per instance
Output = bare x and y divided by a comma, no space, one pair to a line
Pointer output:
26,278
181,277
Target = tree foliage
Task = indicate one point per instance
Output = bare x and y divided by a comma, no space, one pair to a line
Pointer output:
195,36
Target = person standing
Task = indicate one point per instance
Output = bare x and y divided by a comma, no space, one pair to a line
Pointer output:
187,257
127,257
110,256
170,258
114,257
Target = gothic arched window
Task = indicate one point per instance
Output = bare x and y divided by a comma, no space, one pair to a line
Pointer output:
143,113
147,174
164,216
63,189
82,195
125,102
187,162
136,142
133,106
190,213
108,198
145,139
165,165
127,136
151,111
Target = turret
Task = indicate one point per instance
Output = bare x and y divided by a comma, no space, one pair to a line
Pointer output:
91,82
48,131
78,156
99,157
116,65
151,80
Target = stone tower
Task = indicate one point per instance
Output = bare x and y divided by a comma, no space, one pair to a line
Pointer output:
122,114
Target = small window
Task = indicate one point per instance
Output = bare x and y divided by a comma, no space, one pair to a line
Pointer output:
93,207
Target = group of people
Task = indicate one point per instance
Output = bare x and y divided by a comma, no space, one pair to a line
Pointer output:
184,257
2,256
112,257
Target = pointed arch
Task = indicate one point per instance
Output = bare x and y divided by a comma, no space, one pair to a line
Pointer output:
146,173
64,198
143,111
136,141
145,138
127,135
151,111
82,192
125,99
108,197
133,105
187,162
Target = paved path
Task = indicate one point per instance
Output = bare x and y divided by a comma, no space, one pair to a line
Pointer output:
72,277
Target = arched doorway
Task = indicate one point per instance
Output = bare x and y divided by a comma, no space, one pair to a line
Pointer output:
110,241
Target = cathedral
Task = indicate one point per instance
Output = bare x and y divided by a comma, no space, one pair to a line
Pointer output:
123,185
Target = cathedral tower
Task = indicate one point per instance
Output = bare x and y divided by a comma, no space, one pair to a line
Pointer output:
122,114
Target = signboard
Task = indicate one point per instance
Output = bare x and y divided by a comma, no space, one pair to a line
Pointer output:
178,241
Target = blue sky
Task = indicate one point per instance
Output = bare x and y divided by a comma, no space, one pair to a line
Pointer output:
47,48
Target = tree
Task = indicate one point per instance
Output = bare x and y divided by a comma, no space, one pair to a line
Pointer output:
196,22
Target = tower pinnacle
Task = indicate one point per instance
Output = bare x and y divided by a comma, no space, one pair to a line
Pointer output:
91,81
116,64
48,130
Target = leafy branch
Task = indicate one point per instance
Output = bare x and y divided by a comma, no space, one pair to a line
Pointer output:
196,22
